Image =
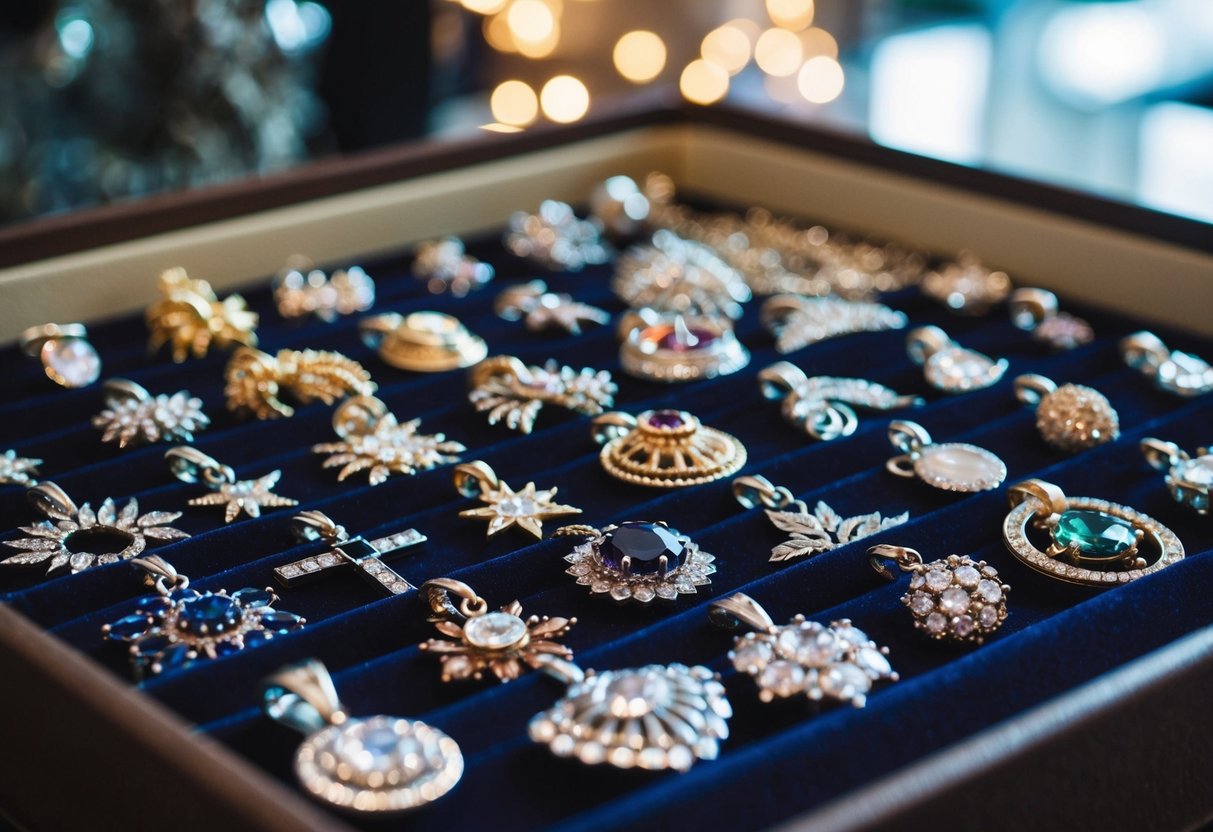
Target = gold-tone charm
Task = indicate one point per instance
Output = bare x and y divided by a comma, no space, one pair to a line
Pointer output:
425,342
504,507
1071,417
511,391
478,640
250,496
372,440
191,318
301,289
665,449
256,380
966,285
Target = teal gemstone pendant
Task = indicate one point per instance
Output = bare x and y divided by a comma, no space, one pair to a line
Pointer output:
1095,535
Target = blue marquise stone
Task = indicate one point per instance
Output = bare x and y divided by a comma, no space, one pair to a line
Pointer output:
217,613
155,605
255,638
151,644
250,598
281,621
175,656
125,629
225,648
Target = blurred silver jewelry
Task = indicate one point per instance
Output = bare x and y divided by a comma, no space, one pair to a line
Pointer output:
445,267
798,321
556,238
301,289
821,406
510,391
966,286
133,416
670,274
637,561
424,342
1189,479
18,470
665,449
1181,373
619,205
67,357
950,367
674,348
1035,311
542,309
950,466
250,496
1071,417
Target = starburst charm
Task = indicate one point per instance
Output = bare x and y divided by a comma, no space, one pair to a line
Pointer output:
543,310
69,534
133,416
178,625
17,470
300,289
191,318
256,379
798,321
372,440
821,406
249,496
510,391
638,561
505,507
478,640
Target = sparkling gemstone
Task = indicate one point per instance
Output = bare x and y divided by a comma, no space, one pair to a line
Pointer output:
670,419
516,506
873,662
151,644
494,631
989,591
967,576
813,646
850,634
249,598
938,580
124,629
936,623
72,359
1198,472
1094,532
667,338
955,369
366,745
960,467
921,604
963,625
782,678
988,617
209,613
752,655
844,681
280,621
917,581
173,656
644,544
954,601
635,693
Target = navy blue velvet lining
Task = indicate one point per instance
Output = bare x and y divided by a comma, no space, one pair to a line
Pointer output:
780,759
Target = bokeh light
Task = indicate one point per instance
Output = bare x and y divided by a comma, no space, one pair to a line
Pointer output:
728,47
640,56
793,15
498,35
564,99
484,6
778,52
514,103
817,41
821,79
704,82
530,21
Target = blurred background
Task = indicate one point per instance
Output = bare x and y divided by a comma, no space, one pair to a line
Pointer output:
108,100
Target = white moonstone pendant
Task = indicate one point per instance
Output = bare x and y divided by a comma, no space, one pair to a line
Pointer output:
950,466
65,352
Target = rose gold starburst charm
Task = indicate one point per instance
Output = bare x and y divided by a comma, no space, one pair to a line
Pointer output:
191,318
477,640
1071,417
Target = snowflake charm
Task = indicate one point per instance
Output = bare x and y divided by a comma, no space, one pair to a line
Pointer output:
824,529
511,391
132,416
17,470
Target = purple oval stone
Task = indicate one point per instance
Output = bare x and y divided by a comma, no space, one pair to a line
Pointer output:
665,419
644,544
665,337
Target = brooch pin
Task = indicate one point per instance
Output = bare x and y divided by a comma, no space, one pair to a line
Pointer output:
191,318
504,507
675,348
301,289
256,380
67,357
445,266
250,496
424,342
1181,373
674,275
133,416
509,390
1035,311
80,538
372,440
950,466
18,470
797,321
950,367
954,598
802,658
1092,542
178,625
654,717
665,449
821,406
366,557
376,765
812,532
1071,417
543,310
638,561
556,238
966,286
478,640
1189,479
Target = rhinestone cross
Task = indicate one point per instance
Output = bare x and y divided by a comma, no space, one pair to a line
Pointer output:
366,557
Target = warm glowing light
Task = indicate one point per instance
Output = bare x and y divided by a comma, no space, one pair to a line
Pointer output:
817,41
640,56
484,6
728,47
542,48
704,82
531,21
498,35
514,103
778,52
564,99
497,127
790,14
820,79
747,27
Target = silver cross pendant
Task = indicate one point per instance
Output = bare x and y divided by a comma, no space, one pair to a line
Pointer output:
366,557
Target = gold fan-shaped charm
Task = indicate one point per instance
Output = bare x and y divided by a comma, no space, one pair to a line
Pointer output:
256,380
665,449
191,318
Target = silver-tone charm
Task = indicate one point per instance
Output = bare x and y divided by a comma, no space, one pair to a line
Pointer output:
424,342
249,496
374,765
1189,479
950,367
366,557
510,391
18,470
556,238
1181,373
954,598
67,357
79,538
543,310
133,416
445,267
679,276
821,405
951,466
1035,311
665,449
504,507
654,717
811,532
301,289
802,658
675,348
1071,417
619,205
966,286
637,561
372,440
798,321
171,629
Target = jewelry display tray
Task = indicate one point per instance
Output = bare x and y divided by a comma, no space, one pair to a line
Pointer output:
1087,709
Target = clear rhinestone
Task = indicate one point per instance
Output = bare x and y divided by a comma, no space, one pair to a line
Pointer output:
954,601
938,580
782,678
936,623
921,604
643,593
873,662
962,626
988,617
844,681
967,576
494,631
309,565
813,646
917,581
72,359
752,655
989,591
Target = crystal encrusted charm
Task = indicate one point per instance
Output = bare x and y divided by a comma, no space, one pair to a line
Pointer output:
1189,479
504,507
950,367
1071,417
638,561
133,416
513,393
798,321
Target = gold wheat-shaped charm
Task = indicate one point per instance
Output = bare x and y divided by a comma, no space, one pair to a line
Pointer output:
190,317
256,380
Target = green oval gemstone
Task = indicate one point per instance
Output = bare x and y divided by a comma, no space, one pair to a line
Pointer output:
1095,533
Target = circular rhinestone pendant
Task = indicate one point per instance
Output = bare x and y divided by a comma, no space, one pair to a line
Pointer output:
495,631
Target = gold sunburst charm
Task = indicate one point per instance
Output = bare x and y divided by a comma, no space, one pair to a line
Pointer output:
190,317
501,642
256,380
504,507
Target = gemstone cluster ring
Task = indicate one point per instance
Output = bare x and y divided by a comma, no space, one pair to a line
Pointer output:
638,561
